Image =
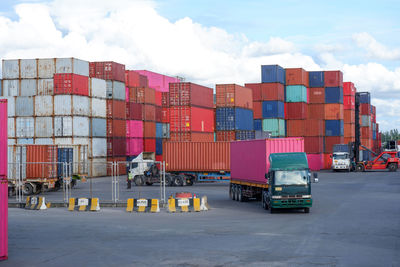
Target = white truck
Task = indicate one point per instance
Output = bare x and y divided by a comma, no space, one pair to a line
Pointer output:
341,158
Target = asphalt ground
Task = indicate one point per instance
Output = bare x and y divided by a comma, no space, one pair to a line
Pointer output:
354,221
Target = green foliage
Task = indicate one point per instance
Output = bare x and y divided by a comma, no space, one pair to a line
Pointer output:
390,135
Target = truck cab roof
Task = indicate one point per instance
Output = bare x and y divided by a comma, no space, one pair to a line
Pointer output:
288,161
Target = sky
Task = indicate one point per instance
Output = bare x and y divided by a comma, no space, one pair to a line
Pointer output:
210,42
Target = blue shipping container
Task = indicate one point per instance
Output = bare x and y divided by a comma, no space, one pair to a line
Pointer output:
333,95
365,98
334,127
316,78
258,125
64,155
273,109
159,130
229,119
272,74
159,143
244,135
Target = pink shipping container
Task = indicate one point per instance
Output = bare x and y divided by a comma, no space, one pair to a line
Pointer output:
134,146
315,161
158,81
250,159
3,182
134,129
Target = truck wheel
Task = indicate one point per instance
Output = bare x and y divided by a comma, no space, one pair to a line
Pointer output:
138,181
178,181
272,210
230,192
306,210
189,181
168,180
360,168
149,184
27,189
240,196
392,167
234,192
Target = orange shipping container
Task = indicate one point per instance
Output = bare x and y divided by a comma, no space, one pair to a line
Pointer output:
197,156
349,130
316,111
366,132
225,136
348,140
191,137
366,142
256,88
149,112
330,141
257,110
349,116
145,95
296,76
46,155
272,91
116,109
232,95
116,128
327,161
317,95
121,166
334,112
314,127
149,129
295,128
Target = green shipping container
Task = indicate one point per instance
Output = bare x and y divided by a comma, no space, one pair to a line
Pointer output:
275,126
296,93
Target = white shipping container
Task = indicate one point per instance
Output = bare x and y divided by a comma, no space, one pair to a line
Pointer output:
62,105
24,106
44,127
115,90
44,105
46,68
62,141
10,87
28,69
10,105
11,127
11,141
99,108
25,141
10,69
80,126
98,167
98,88
25,127
28,87
45,87
72,65
80,105
98,147
44,141
63,126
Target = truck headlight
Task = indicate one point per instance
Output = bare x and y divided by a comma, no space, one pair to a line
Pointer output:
306,196
276,197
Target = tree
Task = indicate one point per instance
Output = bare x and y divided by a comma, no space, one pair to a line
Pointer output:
391,135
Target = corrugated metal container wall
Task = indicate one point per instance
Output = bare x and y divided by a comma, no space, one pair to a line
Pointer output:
10,87
316,79
108,70
316,111
80,126
165,130
25,127
159,130
149,145
334,112
314,127
63,104
11,127
190,94
333,78
365,98
72,65
165,99
296,93
333,95
4,172
314,145
244,135
365,109
10,69
273,91
145,95
63,126
234,119
46,68
10,105
158,81
273,109
25,141
262,135
334,127
41,153
158,114
116,128
98,127
159,146
257,110
116,146
134,111
192,136
149,112
98,107
158,97
296,76
191,119
81,105
317,95
45,87
315,161
295,128
349,116
252,167
197,156
135,79
226,136
115,90
98,88
28,68
44,127
349,102
256,89
257,125
99,147
272,74
24,106
296,111
365,121
116,109
67,83
28,87
232,95
134,146
349,89
134,129
275,126
330,141
149,129
349,130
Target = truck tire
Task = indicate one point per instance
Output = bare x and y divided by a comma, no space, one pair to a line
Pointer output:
392,167
233,192
360,168
306,210
230,192
240,195
138,180
178,180
272,210
149,184
27,189
168,180
189,181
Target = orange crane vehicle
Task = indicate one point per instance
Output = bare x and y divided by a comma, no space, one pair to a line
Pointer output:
385,160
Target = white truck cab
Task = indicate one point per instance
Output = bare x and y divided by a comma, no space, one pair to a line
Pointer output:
341,161
140,165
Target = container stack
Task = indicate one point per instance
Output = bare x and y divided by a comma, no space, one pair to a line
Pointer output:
234,113
349,92
114,74
366,120
191,114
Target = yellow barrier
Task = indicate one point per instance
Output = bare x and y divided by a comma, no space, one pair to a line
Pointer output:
143,205
185,205
84,204
36,203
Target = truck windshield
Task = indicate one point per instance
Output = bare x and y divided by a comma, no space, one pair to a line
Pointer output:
291,177
340,156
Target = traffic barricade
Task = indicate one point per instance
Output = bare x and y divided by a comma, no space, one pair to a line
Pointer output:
184,204
143,205
84,204
36,203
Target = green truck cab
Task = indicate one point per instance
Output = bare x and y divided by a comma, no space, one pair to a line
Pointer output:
289,182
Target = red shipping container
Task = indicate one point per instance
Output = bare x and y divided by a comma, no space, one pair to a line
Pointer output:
134,111
349,102
165,99
158,114
165,115
272,91
116,128
348,140
314,127
334,112
366,142
191,119
327,161
159,158
365,109
145,95
116,146
225,136
295,128
316,95
330,141
349,89
232,95
296,76
315,161
190,94
134,79
333,78
296,111
256,88
47,156
116,109
349,116
149,112
149,145
121,165
70,84
108,70
366,132
158,98
192,137
257,110
314,145
349,130
316,111
374,110
149,129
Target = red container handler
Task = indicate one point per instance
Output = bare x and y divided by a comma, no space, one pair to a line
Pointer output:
71,84
107,70
3,181
190,94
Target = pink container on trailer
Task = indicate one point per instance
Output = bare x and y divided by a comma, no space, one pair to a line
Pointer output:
134,128
134,146
250,159
3,181
158,81
315,161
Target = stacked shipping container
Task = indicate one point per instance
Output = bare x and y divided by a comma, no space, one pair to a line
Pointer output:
349,92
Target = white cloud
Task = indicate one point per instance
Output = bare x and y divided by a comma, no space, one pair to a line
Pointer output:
374,48
274,46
